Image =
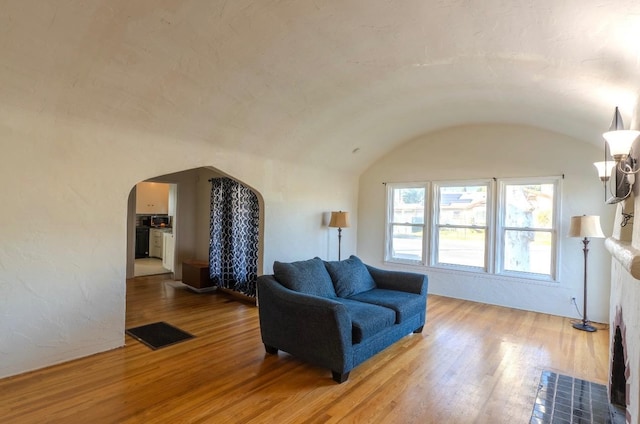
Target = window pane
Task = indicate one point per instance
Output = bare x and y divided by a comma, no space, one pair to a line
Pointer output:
528,251
407,242
465,205
461,246
529,205
408,205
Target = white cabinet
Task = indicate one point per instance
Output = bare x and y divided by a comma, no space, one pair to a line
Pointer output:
155,243
168,251
152,198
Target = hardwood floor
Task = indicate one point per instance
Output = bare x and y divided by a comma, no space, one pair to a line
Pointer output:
473,363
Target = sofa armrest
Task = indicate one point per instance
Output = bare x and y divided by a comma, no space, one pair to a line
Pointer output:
310,327
410,282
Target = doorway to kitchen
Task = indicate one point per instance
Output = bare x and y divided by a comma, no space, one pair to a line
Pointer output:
189,209
155,219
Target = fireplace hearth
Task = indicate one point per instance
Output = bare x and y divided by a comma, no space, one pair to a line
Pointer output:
618,386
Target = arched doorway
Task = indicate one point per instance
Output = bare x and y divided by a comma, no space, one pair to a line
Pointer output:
191,217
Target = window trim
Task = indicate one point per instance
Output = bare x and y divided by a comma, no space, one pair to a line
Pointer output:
388,253
501,228
494,240
435,226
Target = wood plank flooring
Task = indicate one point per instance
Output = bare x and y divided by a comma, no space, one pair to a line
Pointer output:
473,363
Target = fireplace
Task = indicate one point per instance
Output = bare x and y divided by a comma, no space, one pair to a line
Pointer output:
624,314
618,386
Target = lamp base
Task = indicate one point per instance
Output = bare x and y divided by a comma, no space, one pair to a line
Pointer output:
584,327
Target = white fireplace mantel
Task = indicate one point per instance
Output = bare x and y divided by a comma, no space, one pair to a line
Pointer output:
626,254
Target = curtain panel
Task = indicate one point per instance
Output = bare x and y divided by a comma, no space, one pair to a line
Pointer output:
234,232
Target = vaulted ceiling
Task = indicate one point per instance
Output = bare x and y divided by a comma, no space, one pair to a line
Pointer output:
319,79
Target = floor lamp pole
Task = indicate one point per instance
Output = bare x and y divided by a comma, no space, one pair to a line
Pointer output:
584,325
339,220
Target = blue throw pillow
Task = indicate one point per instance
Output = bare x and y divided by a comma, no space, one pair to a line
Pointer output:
350,276
309,277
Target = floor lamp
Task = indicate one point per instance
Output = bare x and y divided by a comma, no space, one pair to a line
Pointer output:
585,226
339,220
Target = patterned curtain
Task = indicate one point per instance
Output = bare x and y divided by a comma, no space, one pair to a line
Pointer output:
233,241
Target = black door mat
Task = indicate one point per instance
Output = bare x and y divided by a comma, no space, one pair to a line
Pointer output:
158,334
563,399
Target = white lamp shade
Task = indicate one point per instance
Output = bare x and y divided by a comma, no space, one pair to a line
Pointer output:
585,226
620,141
604,168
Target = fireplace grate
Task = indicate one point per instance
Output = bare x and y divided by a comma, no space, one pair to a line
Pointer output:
567,400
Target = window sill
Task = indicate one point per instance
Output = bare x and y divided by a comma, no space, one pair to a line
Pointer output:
518,279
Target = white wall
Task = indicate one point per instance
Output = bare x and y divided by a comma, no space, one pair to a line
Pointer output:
64,226
485,151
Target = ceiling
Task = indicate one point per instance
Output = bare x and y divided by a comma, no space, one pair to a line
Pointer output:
316,80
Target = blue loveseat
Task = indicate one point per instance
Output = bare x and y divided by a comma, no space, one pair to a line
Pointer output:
338,314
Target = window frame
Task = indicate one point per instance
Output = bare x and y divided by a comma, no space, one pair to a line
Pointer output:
495,229
501,228
435,225
388,254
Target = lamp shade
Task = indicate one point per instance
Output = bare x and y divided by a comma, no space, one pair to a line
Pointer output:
620,142
619,139
604,169
339,219
585,226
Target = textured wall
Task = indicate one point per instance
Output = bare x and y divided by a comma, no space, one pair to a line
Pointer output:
485,151
64,234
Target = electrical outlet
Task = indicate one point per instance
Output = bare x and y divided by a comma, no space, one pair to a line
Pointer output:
572,300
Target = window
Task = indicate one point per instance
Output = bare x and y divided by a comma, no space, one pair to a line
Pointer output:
460,224
406,227
527,230
506,226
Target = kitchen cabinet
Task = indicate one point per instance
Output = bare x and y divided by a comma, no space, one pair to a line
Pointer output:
168,251
155,243
152,198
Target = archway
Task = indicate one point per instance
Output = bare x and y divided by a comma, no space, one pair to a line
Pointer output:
191,217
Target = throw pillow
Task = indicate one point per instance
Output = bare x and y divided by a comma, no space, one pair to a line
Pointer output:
309,277
350,276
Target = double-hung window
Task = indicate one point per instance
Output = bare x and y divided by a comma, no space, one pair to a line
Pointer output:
501,226
460,224
527,227
406,230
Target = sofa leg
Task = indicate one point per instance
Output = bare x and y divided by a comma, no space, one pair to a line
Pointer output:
419,329
270,349
340,377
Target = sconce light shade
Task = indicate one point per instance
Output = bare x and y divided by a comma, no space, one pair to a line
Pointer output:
339,220
585,226
620,142
619,139
604,169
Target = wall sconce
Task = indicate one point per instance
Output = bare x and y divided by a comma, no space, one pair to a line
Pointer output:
620,142
605,168
339,220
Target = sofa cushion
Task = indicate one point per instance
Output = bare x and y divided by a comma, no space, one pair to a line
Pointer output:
404,304
350,276
367,319
308,276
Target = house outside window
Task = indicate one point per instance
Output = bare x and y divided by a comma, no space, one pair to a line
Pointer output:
460,224
503,226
